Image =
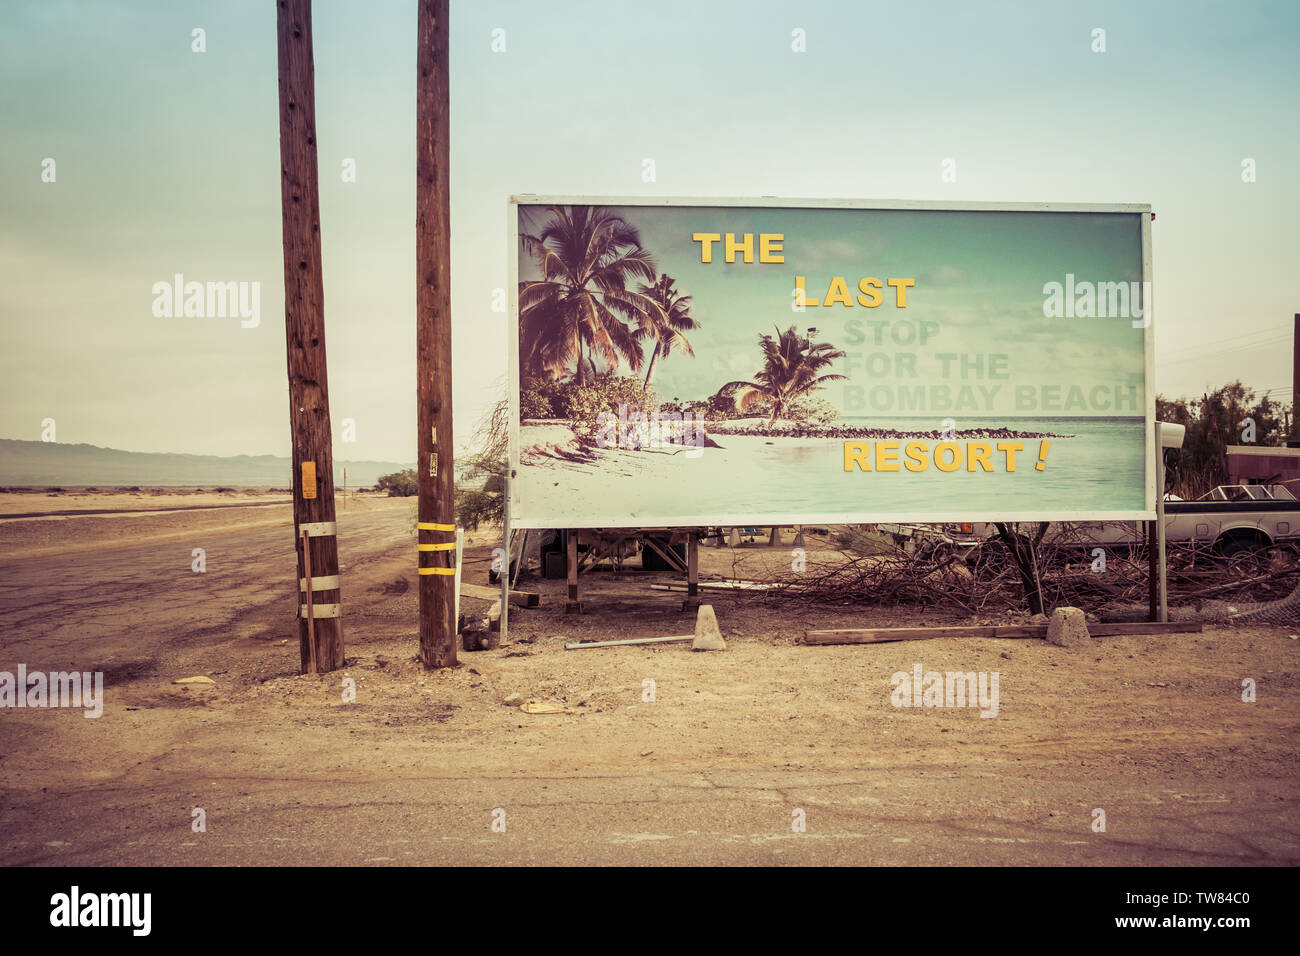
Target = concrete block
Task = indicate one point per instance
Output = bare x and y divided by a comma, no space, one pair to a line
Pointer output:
1068,628
708,637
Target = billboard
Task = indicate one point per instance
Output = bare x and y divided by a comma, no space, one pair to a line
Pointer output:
685,363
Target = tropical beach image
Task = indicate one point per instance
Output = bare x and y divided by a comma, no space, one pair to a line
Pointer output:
685,363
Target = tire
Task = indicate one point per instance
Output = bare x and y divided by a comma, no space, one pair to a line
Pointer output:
1234,544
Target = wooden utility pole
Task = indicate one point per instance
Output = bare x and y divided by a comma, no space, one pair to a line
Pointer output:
434,461
320,628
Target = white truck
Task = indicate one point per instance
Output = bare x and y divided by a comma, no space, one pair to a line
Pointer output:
1229,518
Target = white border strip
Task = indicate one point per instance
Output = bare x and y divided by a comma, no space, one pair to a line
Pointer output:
704,202
630,522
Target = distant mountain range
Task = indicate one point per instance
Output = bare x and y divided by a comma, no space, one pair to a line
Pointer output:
50,463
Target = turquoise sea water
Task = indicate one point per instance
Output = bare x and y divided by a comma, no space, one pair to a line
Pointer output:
1100,468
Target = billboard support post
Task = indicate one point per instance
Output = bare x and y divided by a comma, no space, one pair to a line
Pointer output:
1295,378
572,605
505,572
1153,572
692,600
1160,524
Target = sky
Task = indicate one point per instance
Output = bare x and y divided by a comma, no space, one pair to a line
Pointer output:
166,162
974,314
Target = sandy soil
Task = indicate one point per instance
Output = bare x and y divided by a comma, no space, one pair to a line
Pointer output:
710,768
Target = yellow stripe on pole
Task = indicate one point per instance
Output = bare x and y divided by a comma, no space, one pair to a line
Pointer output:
430,526
446,546
436,570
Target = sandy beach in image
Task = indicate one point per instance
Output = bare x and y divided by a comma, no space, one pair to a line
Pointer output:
746,474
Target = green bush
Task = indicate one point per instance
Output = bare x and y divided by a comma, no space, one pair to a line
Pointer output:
674,407
721,406
400,484
480,493
534,401
1213,422
814,411
584,403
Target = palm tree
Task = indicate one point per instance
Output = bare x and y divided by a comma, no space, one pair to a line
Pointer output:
586,255
791,367
667,324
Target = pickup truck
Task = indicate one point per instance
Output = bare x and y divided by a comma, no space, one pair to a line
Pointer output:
926,538
1230,518
1236,518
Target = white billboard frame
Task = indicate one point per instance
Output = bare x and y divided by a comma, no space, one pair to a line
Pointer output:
515,507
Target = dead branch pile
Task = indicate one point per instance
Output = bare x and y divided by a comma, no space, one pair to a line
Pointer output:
870,570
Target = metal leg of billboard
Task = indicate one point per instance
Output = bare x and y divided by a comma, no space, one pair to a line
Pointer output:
572,605
505,572
692,573
1160,523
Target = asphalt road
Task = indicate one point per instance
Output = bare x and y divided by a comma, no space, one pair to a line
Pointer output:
118,606
731,817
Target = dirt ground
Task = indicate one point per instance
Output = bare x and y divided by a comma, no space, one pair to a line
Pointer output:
660,755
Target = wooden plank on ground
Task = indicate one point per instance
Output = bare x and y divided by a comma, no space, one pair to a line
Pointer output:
1143,627
881,635
518,598
717,586
631,642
